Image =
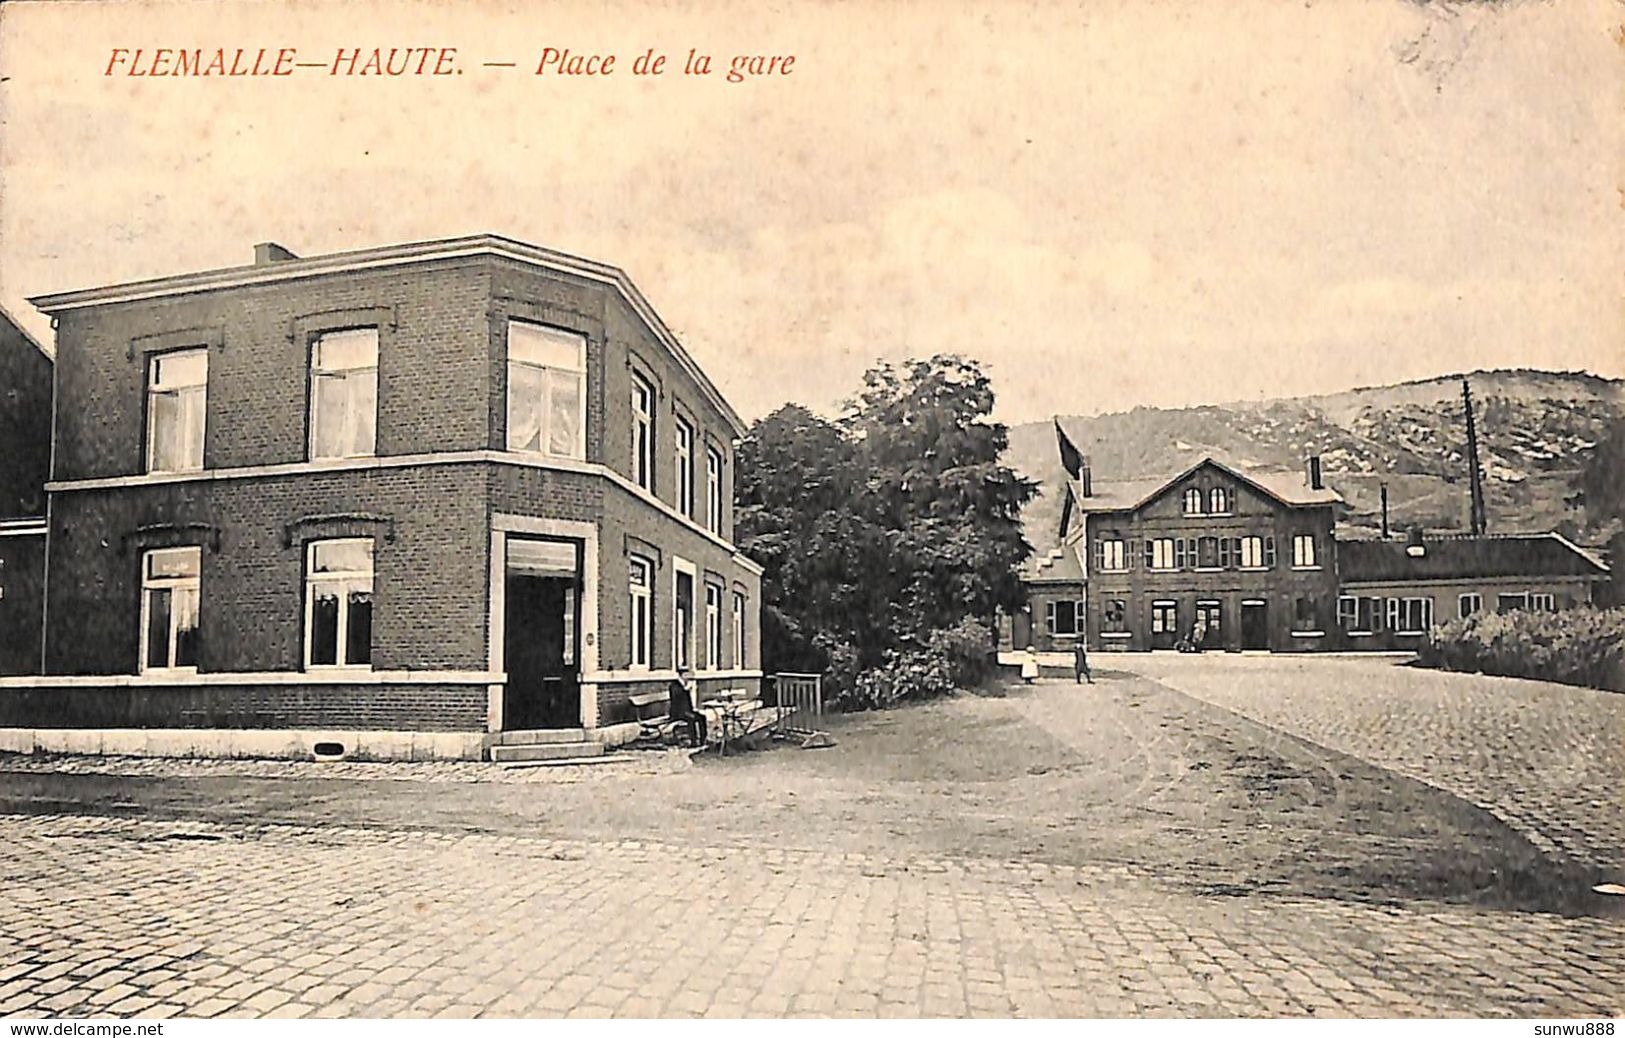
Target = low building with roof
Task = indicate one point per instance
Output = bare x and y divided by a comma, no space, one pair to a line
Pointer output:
1391,592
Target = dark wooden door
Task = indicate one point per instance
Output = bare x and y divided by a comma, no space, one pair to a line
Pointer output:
543,687
1255,625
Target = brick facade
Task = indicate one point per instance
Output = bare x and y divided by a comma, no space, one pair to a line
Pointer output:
1215,552
1219,585
428,499
25,451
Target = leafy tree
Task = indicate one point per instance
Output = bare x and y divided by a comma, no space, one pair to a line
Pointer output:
925,437
877,532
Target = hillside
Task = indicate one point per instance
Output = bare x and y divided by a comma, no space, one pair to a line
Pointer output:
1534,427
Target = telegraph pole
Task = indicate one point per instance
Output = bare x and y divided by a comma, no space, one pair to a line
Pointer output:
1477,519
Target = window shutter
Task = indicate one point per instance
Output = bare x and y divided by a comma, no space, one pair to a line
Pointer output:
1150,552
1100,555
1393,614
1269,552
1049,617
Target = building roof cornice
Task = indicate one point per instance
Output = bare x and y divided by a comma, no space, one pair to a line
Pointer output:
398,255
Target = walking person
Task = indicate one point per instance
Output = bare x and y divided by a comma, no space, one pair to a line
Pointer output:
1080,664
1029,665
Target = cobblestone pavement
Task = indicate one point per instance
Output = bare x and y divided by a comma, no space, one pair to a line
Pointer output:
1546,759
142,918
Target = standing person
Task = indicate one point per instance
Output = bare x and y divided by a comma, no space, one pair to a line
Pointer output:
1080,664
1029,665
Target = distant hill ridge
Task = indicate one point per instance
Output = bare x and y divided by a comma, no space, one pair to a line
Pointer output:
1534,428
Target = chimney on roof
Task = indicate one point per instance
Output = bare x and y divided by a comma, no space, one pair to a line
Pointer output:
270,252
1385,511
1313,473
1413,543
1085,484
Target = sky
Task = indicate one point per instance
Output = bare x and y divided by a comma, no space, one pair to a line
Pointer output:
1107,205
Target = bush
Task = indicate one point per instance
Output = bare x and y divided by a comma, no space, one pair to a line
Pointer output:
920,674
968,648
953,658
1583,646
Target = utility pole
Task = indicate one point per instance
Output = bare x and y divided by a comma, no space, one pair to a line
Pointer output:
1477,519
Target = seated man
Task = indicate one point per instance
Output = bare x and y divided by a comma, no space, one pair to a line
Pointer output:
681,690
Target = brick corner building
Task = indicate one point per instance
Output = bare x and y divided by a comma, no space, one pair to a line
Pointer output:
397,499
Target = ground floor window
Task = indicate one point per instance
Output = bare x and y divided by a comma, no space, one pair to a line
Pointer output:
739,629
1114,616
1063,617
683,622
1306,614
640,590
1410,615
1468,604
713,626
338,603
1357,615
1506,603
1542,600
169,609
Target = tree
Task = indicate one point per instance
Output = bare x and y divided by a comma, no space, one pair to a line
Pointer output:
879,531
925,436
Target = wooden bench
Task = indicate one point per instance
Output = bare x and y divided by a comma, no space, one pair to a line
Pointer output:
649,706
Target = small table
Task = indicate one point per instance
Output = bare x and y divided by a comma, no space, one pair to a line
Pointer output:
731,715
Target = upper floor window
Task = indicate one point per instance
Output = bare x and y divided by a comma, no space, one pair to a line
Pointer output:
1207,552
1468,604
1111,555
713,626
1193,501
643,432
685,466
1303,551
169,609
713,490
338,603
547,390
177,401
344,394
640,592
1218,500
1257,552
1159,553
